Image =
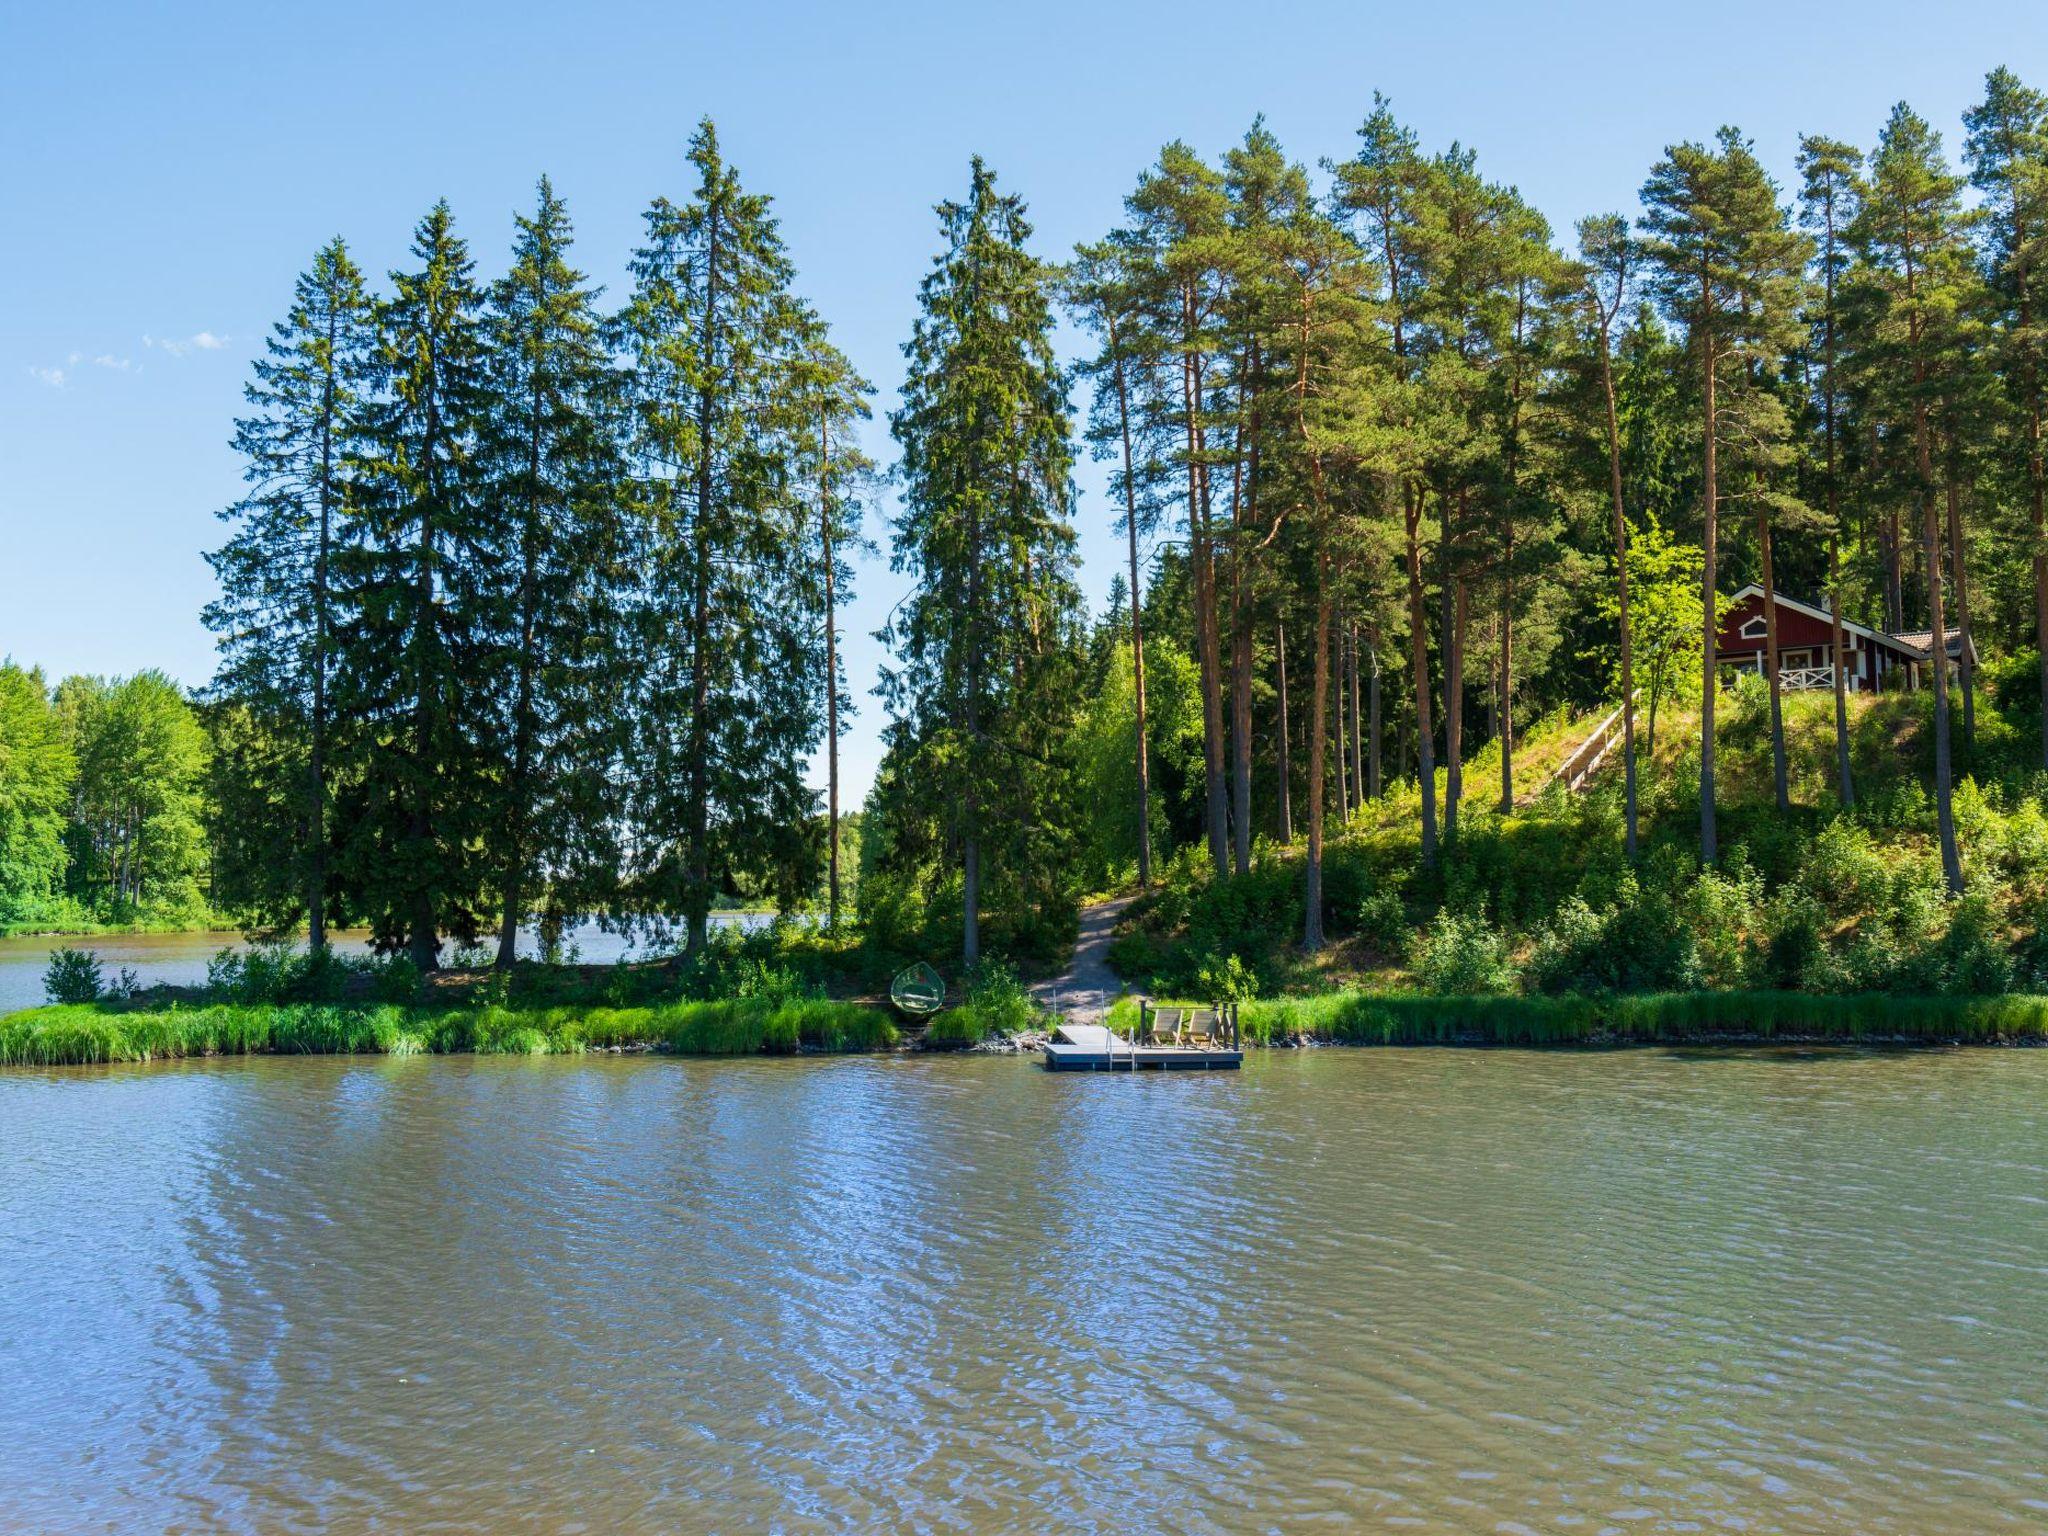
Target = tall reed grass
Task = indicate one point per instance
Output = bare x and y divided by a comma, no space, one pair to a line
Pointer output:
1663,1018
84,1033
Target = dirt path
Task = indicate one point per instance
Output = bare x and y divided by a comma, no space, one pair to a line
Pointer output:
1084,991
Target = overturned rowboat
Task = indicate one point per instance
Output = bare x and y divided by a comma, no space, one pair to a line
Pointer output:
918,990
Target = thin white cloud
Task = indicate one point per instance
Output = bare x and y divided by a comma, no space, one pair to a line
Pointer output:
198,341
54,377
105,360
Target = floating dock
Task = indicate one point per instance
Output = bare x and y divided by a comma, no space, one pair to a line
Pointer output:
1092,1048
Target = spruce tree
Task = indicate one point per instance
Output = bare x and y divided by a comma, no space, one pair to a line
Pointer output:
276,613
562,574
829,402
982,646
419,563
729,694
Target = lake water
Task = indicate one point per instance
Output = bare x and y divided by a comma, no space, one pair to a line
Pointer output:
179,959
1434,1291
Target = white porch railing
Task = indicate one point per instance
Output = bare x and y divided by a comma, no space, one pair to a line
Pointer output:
1796,678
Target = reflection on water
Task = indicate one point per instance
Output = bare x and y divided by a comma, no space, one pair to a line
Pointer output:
1435,1290
179,959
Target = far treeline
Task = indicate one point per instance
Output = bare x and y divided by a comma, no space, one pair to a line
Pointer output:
530,607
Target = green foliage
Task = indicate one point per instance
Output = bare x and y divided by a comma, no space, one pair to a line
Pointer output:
37,767
1227,981
73,976
1460,952
136,835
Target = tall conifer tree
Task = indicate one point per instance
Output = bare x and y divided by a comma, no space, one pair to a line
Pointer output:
276,615
730,701
548,448
420,563
981,645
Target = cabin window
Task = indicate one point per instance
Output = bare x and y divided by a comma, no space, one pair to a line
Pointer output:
1754,629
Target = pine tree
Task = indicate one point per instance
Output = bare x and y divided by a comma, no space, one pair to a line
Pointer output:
548,450
1337,429
1726,266
1913,241
1104,288
1608,258
275,617
2007,153
730,702
1385,190
1831,186
1178,214
981,645
419,565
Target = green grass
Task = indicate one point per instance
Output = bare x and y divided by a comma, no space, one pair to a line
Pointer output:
66,1035
1667,1018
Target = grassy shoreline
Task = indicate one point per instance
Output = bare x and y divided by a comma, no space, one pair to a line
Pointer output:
89,1033
1649,1019
83,1034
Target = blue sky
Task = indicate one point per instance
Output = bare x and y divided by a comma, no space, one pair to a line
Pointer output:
172,167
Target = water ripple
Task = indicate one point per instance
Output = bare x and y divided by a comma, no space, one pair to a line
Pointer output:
1429,1290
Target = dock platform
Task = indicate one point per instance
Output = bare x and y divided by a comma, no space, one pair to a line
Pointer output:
1092,1048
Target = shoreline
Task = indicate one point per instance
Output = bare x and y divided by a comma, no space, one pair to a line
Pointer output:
89,1034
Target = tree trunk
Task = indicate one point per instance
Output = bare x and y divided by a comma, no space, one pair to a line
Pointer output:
1318,748
1845,783
1710,501
1418,651
1341,667
1357,722
1286,768
1628,676
1944,806
1201,557
1779,785
1123,411
1454,701
1959,567
1507,694
1372,758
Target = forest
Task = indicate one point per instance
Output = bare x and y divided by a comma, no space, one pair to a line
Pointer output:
530,609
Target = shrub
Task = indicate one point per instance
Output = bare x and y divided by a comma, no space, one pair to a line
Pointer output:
1462,953
1383,921
73,976
997,999
1226,981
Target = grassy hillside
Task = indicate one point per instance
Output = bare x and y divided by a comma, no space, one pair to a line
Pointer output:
1818,898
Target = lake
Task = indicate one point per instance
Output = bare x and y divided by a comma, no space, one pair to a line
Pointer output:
1433,1290
179,959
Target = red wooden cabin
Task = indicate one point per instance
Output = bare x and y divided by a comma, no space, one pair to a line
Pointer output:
1806,646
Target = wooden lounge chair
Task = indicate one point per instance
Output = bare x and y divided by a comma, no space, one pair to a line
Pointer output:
1201,1027
1166,1026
